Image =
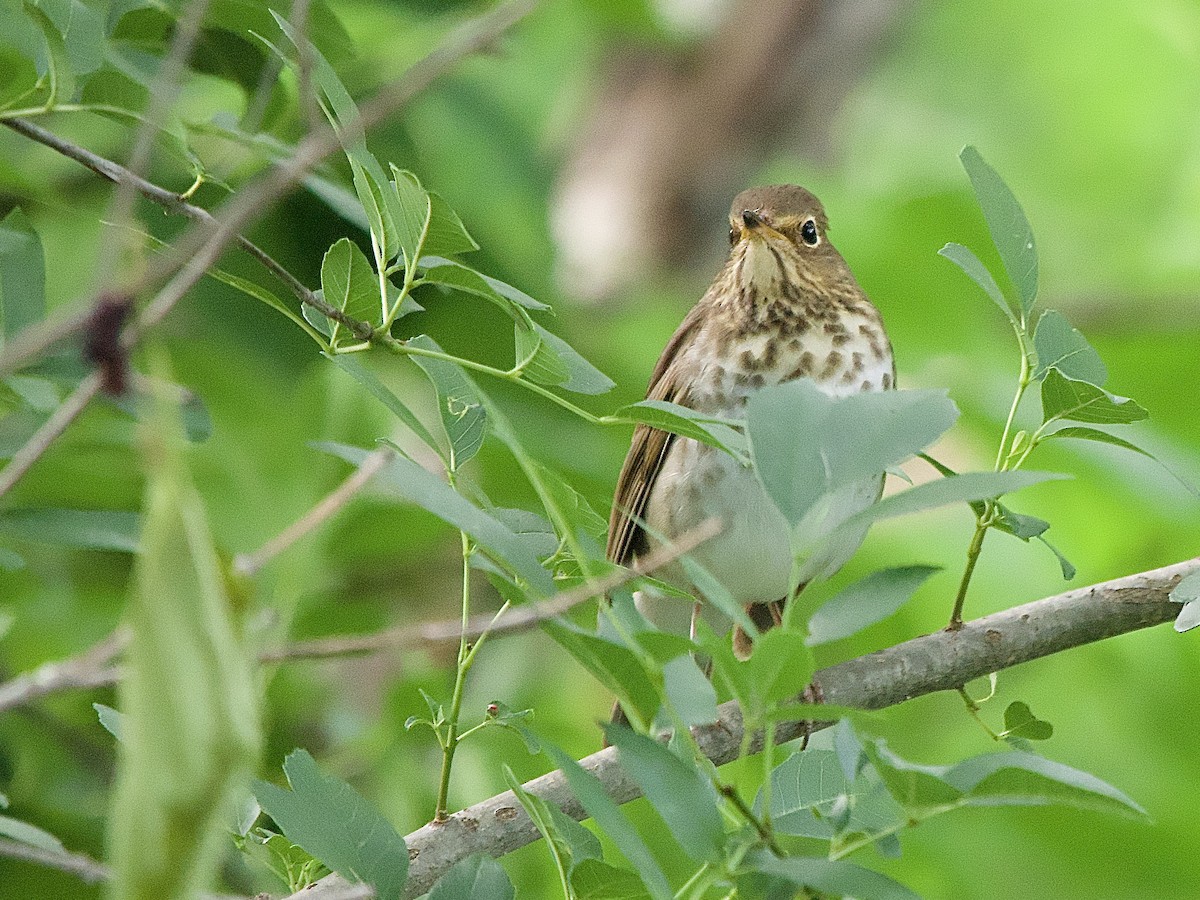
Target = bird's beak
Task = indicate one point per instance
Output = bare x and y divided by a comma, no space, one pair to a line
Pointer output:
754,225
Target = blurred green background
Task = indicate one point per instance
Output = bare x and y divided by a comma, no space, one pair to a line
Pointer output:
1089,111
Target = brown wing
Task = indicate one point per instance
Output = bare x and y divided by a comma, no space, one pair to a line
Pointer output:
626,538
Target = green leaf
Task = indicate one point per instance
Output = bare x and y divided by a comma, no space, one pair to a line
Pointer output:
672,417
690,692
478,877
24,833
1061,346
1020,722
1008,226
332,821
190,730
435,496
613,665
923,790
582,376
534,358
1016,778
612,822
830,877
1084,433
678,791
1018,524
1068,398
806,444
89,529
569,842
779,667
966,260
593,879
452,274
804,782
356,370
110,718
1068,570
862,604
463,416
960,488
433,228
22,275
1187,592
349,283
380,213
82,30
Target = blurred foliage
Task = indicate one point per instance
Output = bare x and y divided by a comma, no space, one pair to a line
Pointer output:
1088,109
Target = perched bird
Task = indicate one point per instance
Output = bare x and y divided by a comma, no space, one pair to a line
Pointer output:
784,306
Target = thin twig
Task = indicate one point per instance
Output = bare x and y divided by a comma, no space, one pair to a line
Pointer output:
522,618
163,94
170,201
250,563
89,870
66,413
91,668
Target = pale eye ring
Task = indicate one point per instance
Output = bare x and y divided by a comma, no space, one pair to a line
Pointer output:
808,233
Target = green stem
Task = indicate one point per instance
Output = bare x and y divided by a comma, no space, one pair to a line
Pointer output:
729,792
973,709
692,882
982,524
466,656
1022,384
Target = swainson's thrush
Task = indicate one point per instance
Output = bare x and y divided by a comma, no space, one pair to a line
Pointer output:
785,306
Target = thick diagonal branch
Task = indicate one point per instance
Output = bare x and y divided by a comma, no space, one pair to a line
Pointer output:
936,662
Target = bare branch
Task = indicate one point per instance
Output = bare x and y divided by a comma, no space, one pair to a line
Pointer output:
522,618
941,661
90,669
66,413
251,563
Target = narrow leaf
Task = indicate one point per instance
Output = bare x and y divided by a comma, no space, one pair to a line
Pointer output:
677,790
966,260
865,602
435,496
612,822
1008,226
593,879
680,420
836,878
24,833
961,488
365,377
1017,778
1084,433
90,529
463,416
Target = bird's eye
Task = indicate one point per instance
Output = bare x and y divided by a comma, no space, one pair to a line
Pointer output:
733,236
808,231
